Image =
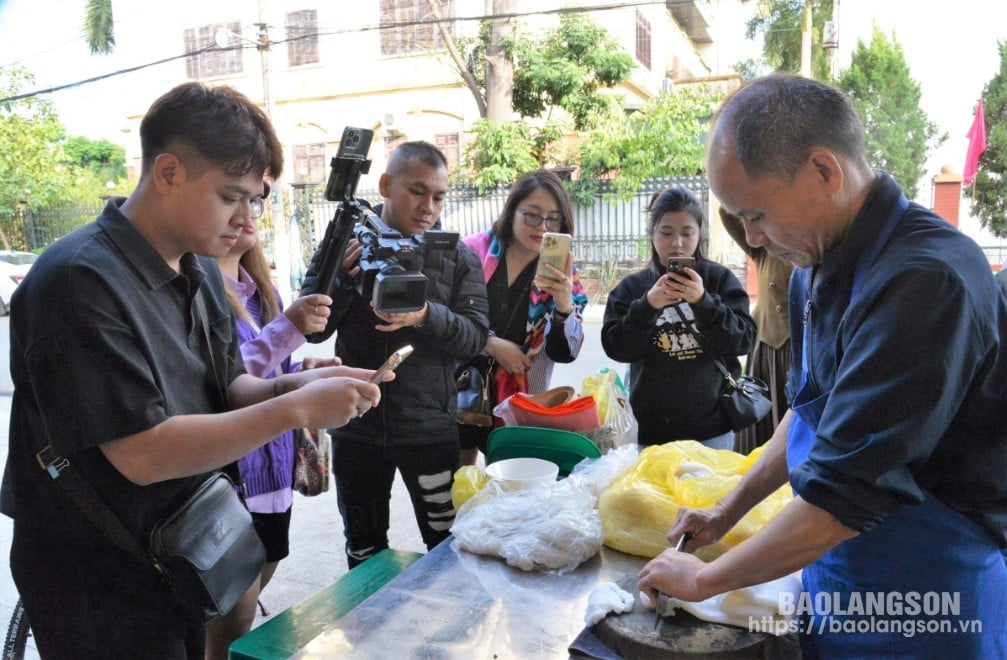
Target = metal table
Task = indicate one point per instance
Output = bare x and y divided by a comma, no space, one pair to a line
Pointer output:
453,604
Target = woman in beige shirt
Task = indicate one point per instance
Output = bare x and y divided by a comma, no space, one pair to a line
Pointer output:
770,359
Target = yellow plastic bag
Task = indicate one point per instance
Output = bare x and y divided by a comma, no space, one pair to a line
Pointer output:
618,426
640,506
604,386
468,481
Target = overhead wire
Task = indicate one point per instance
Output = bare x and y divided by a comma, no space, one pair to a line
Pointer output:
333,33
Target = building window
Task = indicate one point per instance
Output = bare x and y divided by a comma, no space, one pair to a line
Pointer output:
309,163
392,142
408,26
448,144
213,61
642,39
302,37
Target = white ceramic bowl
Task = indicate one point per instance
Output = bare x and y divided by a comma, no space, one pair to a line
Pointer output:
522,473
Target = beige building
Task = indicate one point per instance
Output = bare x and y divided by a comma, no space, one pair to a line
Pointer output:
380,64
318,67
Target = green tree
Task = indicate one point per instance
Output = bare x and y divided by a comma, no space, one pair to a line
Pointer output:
34,169
779,22
105,159
664,138
988,194
566,67
887,99
500,152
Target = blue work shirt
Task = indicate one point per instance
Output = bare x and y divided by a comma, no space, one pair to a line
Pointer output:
917,368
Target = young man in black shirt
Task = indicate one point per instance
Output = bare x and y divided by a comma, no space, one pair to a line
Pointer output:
107,359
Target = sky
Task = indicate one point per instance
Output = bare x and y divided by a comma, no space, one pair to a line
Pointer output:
951,54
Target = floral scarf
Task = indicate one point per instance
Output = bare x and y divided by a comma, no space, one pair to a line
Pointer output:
490,251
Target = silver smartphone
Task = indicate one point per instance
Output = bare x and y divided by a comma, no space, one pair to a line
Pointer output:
392,363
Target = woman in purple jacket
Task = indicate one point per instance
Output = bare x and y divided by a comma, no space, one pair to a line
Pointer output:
268,335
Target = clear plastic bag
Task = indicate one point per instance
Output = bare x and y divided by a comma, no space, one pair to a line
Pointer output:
552,528
598,474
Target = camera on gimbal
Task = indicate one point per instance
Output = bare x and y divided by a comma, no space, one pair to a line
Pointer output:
390,262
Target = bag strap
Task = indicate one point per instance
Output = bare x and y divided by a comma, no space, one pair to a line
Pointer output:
231,469
83,495
720,365
86,499
215,365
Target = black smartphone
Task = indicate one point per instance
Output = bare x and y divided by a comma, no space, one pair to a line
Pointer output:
676,264
392,363
350,161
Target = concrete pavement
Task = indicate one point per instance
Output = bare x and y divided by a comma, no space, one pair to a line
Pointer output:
316,549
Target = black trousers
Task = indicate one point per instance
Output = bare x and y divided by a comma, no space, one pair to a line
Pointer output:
364,474
85,601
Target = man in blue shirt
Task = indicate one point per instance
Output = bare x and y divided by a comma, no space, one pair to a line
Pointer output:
896,445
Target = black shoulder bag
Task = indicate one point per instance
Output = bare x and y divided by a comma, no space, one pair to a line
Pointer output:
474,381
206,550
744,400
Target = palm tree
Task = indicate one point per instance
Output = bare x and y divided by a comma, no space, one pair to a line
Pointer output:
98,27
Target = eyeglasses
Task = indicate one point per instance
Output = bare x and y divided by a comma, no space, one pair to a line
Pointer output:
535,220
256,207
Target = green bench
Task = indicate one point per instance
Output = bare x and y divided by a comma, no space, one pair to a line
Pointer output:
292,629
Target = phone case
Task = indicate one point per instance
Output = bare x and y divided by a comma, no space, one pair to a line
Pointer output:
681,262
555,247
392,363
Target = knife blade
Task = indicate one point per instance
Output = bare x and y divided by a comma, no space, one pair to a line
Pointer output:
662,598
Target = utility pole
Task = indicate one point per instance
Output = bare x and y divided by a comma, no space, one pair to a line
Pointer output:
806,40
500,72
281,243
830,37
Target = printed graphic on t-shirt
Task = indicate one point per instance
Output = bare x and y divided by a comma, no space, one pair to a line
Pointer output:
674,337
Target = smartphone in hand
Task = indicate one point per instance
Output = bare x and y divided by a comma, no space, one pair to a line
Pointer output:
555,248
392,363
676,264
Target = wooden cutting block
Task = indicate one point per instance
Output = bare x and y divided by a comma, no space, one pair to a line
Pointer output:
681,635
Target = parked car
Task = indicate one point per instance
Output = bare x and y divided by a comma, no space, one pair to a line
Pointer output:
14,266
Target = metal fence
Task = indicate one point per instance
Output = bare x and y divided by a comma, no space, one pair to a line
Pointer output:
608,230
31,230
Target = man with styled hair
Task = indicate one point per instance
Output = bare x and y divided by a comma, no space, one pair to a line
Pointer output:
115,336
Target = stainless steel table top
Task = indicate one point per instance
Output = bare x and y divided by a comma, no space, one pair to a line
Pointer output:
453,604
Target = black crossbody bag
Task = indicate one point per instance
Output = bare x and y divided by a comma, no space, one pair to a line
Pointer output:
744,400
206,550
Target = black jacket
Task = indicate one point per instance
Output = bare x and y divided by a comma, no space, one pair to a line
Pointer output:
674,384
419,405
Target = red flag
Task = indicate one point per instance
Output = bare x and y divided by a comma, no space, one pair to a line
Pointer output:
977,145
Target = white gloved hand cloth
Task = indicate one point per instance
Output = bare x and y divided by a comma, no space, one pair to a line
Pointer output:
741,606
605,598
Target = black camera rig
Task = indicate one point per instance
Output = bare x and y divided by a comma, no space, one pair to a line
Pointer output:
390,262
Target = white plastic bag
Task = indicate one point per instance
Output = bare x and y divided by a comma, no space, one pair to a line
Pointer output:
552,528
